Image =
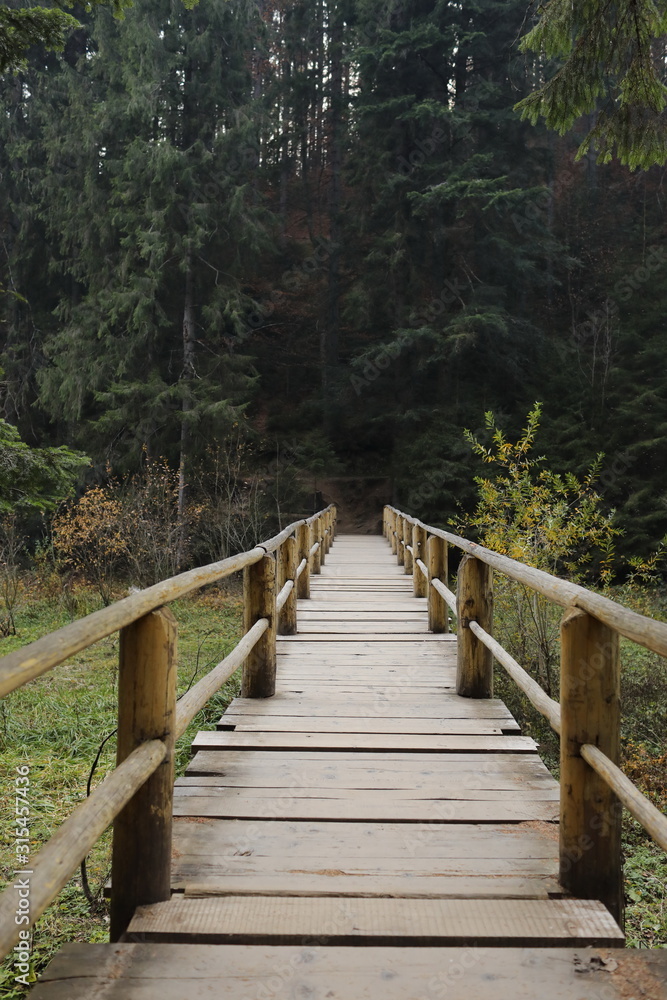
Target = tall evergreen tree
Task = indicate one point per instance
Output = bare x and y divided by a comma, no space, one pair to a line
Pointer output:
156,227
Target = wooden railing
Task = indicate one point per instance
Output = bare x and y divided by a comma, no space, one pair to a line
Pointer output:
588,717
137,796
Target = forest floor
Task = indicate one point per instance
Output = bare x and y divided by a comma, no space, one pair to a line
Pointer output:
56,725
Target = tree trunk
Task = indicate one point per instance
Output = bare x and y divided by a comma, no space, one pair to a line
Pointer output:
329,336
187,402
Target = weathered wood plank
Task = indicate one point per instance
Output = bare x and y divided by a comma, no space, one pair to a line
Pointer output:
402,886
283,920
535,791
370,770
216,739
364,810
289,723
172,971
311,704
370,842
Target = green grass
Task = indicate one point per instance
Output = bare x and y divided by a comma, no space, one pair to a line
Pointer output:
56,724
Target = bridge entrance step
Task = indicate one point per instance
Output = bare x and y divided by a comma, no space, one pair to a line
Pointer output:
238,972
425,922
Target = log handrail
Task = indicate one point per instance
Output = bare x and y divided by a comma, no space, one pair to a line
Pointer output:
641,629
117,795
589,663
53,865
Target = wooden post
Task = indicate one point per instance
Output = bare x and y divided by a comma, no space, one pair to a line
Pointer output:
288,566
323,538
393,528
474,601
141,861
259,601
303,543
437,559
400,541
419,581
407,541
326,522
317,555
590,813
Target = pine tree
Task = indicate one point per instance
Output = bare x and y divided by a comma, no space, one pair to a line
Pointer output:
614,66
156,226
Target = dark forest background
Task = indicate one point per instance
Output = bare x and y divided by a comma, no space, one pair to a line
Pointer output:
286,242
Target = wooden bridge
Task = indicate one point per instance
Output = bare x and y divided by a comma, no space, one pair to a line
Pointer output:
366,820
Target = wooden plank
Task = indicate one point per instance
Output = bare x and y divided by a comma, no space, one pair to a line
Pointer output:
342,627
404,887
287,723
427,763
447,708
342,792
402,784
316,969
426,841
365,809
209,740
372,773
199,868
283,920
357,635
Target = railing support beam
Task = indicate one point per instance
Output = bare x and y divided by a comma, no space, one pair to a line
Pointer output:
437,562
474,601
316,563
287,571
141,862
590,813
419,581
259,601
303,536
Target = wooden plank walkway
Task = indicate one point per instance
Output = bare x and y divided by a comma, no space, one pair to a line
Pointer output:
364,804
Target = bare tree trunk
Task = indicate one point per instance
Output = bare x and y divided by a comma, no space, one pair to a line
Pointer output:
329,336
187,402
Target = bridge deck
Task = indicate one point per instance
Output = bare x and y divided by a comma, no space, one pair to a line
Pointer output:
365,804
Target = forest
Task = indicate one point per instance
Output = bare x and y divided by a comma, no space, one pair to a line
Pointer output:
298,241
257,256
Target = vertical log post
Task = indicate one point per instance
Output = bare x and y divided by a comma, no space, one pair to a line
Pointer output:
259,601
316,565
327,532
141,861
400,542
324,544
303,552
590,813
407,544
437,559
288,567
419,581
393,529
474,601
